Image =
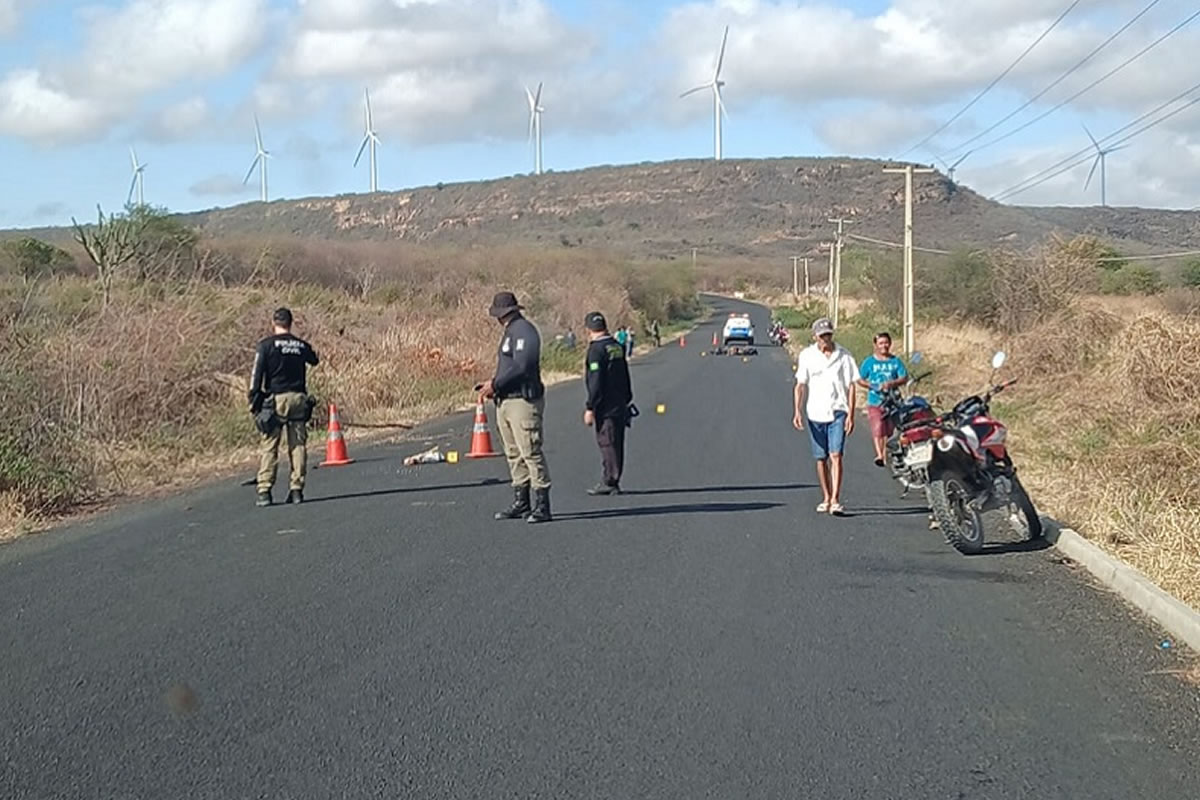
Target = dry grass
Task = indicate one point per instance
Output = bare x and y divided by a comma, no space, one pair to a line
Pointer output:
151,392
1105,426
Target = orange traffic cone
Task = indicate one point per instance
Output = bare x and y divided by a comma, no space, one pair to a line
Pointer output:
481,436
683,341
335,445
714,340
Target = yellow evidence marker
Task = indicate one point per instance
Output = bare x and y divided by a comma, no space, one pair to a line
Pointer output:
451,456
661,408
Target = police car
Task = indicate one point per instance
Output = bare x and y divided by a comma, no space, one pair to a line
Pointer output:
738,328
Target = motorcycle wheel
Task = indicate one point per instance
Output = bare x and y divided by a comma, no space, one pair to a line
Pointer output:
961,525
1020,498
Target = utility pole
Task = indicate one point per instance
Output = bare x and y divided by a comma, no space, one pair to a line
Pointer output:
830,277
909,325
836,296
693,258
796,276
806,290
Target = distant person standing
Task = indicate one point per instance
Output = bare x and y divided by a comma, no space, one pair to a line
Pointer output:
520,398
621,336
629,342
609,394
279,400
656,333
825,376
879,373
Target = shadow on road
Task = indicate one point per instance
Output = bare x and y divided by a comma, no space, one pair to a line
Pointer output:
885,512
406,490
1025,546
720,489
658,511
947,572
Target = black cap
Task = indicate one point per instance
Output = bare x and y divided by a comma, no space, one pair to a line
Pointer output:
503,304
282,317
596,322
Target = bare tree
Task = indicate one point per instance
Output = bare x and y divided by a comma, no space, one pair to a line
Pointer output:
111,245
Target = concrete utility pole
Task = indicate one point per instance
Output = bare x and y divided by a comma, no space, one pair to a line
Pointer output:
909,326
836,284
806,289
830,277
796,276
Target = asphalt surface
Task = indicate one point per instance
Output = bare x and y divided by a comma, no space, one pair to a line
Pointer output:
706,634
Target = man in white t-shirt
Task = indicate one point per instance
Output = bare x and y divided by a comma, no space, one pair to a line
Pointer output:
825,374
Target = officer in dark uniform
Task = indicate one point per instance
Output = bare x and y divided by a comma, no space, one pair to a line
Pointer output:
279,401
520,399
609,395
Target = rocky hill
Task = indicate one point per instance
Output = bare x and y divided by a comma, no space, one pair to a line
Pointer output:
759,207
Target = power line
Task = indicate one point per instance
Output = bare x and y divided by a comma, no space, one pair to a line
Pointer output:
1088,150
1072,166
1090,86
995,80
1056,81
1150,257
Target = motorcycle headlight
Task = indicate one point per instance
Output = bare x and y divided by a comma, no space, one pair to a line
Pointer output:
946,443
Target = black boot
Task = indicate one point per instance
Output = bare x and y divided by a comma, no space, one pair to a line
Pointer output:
541,507
604,488
295,496
520,506
264,499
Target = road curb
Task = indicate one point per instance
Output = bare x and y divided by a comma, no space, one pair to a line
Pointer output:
1176,617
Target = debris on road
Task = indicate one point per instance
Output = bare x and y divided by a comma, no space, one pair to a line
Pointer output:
433,455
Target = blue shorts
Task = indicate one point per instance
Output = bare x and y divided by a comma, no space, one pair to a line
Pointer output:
828,437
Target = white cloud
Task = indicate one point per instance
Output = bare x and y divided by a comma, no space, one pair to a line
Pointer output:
129,53
181,120
35,106
873,130
10,14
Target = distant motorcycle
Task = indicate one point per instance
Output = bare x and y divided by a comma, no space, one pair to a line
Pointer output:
970,471
779,335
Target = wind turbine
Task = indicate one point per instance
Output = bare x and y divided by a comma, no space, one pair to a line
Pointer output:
369,138
535,126
261,154
1101,155
718,106
138,181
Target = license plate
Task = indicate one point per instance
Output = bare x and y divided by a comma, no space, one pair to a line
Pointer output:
919,455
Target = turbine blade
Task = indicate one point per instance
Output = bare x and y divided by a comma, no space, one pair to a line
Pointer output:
133,157
1115,149
370,116
961,159
132,186
1095,164
721,102
361,147
532,118
1093,138
250,171
529,98
721,57
697,89
537,98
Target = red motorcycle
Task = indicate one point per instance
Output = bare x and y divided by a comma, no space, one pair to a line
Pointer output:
970,472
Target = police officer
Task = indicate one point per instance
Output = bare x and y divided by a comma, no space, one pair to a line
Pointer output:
279,400
520,399
609,394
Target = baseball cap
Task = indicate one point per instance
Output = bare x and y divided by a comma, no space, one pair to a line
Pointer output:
822,326
595,321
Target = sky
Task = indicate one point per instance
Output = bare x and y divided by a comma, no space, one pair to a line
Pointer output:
181,81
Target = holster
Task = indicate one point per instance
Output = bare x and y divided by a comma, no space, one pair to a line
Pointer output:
265,419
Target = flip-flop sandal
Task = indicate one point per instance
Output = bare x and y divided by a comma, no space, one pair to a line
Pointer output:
823,508
837,509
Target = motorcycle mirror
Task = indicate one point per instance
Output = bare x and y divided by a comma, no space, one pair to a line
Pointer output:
999,359
917,357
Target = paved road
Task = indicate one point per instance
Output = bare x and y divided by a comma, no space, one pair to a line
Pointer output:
705,635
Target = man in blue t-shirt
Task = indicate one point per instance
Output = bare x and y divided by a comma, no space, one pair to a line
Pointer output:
878,373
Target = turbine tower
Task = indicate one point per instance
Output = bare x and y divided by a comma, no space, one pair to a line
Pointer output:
369,139
261,154
718,105
535,126
1101,155
950,168
138,182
